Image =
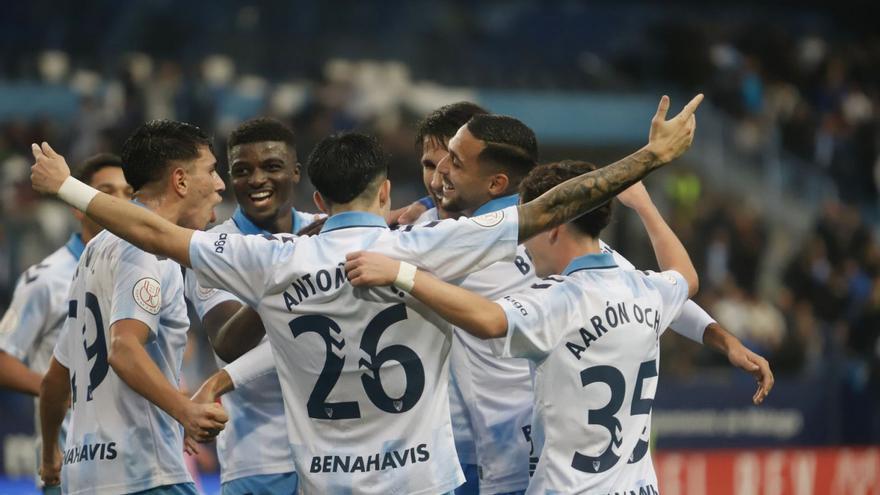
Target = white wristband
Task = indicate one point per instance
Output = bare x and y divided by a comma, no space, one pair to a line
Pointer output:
406,277
76,194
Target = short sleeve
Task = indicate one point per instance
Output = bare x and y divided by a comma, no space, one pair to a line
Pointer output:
536,319
454,248
692,322
673,289
621,261
26,318
252,365
202,299
241,264
137,288
62,346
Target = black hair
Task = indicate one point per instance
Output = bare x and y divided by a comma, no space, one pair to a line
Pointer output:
260,130
94,163
343,166
147,154
547,176
443,123
510,145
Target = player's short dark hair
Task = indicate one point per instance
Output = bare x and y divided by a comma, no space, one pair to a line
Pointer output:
146,154
260,130
443,123
343,166
88,168
511,147
547,176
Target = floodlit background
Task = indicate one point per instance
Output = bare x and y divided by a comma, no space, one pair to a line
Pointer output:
777,201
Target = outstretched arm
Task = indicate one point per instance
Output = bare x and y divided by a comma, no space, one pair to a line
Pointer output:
670,253
470,312
141,227
667,140
740,356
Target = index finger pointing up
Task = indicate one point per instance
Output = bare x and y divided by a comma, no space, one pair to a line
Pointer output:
691,107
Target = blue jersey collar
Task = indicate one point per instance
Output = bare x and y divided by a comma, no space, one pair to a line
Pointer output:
349,219
590,262
75,245
246,226
497,204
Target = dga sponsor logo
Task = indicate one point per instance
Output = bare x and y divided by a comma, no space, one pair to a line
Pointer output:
219,243
376,462
489,219
93,452
147,294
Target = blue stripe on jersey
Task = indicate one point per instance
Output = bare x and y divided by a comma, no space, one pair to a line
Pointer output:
177,489
75,245
348,219
497,204
246,225
590,261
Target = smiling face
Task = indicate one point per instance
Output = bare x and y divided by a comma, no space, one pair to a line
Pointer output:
263,176
465,184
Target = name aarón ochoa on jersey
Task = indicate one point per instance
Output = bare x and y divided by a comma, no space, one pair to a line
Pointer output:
93,452
375,462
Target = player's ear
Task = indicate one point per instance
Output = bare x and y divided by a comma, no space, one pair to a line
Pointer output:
553,234
179,181
498,185
320,203
385,193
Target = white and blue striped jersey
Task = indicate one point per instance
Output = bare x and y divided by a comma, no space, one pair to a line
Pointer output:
32,322
593,335
364,373
491,400
254,441
118,441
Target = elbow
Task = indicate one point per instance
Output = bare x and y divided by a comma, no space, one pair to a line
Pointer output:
693,284
493,326
225,352
119,352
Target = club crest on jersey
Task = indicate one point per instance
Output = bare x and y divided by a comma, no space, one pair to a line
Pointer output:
9,321
203,293
489,219
147,293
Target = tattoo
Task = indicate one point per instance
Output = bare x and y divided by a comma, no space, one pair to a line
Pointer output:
579,195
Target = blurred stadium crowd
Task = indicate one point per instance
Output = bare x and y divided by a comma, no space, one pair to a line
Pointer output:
792,89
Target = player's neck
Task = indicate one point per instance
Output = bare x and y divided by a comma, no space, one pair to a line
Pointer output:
280,223
161,205
570,247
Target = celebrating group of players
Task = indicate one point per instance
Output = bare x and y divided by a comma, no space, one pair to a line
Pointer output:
362,358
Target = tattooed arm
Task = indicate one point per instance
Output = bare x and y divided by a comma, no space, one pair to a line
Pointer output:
667,140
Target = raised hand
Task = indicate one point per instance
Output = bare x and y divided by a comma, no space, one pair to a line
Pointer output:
366,269
49,169
668,139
